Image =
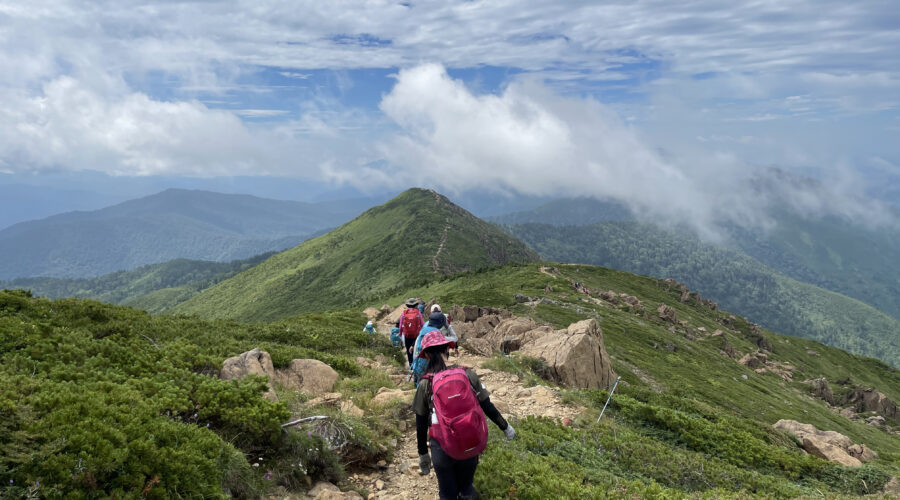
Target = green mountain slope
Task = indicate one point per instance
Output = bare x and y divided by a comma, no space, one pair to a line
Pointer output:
417,236
154,287
852,258
737,282
83,384
169,225
690,418
833,253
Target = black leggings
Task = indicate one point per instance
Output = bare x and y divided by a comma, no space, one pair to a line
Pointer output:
407,343
454,477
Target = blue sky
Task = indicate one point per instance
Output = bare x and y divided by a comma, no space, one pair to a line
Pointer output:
637,101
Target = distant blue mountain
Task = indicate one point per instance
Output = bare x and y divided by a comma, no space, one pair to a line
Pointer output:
175,223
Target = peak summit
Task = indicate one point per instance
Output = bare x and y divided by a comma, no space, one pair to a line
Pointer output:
418,235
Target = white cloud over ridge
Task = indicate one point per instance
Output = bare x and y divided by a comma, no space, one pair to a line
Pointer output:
709,87
529,140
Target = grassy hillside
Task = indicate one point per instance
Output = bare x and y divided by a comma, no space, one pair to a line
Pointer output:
169,225
83,385
417,236
154,287
102,401
737,282
690,421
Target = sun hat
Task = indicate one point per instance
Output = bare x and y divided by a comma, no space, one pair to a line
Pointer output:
432,339
411,302
436,308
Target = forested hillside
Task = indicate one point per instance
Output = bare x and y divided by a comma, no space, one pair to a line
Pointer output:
173,224
737,282
418,236
154,287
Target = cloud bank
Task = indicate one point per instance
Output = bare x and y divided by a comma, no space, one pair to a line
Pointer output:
529,140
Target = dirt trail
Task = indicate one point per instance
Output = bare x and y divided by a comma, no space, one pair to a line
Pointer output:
400,480
434,260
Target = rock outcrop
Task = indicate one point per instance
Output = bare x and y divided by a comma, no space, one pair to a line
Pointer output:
308,375
864,399
576,357
666,313
253,362
822,390
829,445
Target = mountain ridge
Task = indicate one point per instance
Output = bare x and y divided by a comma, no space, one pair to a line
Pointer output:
175,223
418,235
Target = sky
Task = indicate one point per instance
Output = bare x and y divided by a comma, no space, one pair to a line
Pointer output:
667,106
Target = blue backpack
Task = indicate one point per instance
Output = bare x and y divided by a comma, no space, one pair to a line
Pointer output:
396,339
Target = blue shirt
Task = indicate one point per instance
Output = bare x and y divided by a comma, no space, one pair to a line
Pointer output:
419,364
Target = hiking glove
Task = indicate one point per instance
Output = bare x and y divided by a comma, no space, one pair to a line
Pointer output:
424,464
510,432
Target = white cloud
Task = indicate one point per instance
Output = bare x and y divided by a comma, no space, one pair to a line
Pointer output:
531,141
69,125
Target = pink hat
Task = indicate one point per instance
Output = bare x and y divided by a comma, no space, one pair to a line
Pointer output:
431,339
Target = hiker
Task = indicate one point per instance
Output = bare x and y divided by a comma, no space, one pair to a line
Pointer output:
370,328
421,307
452,394
411,323
437,322
447,329
396,338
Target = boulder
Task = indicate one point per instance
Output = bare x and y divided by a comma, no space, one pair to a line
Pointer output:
395,315
372,313
610,296
480,347
321,486
829,445
849,413
328,399
349,408
632,301
876,421
253,362
751,361
338,495
308,375
822,390
575,357
871,400
666,313
717,333
385,395
829,452
862,452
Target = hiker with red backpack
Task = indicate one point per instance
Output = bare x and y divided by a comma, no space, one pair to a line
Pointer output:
411,323
450,406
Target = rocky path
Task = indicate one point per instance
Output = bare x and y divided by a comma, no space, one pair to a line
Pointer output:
400,480
440,248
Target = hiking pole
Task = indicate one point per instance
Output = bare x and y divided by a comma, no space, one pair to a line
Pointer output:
610,397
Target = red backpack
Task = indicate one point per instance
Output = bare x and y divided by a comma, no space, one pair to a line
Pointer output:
458,422
411,324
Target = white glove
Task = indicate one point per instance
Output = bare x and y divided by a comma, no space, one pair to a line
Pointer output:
510,432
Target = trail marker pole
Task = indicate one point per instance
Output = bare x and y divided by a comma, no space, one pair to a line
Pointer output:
610,397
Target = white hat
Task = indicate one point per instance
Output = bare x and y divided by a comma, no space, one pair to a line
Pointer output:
436,308
369,323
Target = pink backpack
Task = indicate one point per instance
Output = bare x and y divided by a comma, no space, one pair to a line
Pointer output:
458,422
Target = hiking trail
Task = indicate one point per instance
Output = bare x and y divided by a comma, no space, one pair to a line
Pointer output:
400,479
440,248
